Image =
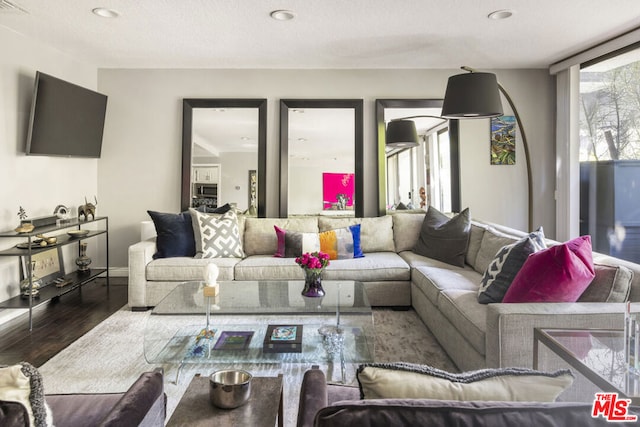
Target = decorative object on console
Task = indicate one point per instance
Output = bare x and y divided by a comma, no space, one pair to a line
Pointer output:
30,285
83,260
87,209
48,265
411,381
560,273
443,238
24,227
313,265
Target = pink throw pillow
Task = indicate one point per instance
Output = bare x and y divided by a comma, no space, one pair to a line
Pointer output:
558,274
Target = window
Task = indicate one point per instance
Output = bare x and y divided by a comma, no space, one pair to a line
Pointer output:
610,154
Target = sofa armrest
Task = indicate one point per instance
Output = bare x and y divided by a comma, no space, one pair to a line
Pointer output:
140,254
143,404
313,396
509,333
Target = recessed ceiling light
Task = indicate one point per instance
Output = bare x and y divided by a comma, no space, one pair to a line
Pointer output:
500,14
105,13
282,15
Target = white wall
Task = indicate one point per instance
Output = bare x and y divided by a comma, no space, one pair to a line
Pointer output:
140,166
38,184
235,173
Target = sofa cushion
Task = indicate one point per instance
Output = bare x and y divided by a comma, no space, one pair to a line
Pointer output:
475,240
410,381
22,384
610,284
259,238
374,267
376,234
505,266
174,234
443,238
558,274
219,235
406,229
183,269
292,244
268,267
492,242
421,412
433,279
461,308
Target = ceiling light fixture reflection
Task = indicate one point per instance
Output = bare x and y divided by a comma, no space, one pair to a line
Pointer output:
104,12
282,15
500,14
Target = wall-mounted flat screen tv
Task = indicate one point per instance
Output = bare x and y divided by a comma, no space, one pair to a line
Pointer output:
66,119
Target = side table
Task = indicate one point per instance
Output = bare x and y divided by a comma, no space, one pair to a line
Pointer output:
598,354
263,408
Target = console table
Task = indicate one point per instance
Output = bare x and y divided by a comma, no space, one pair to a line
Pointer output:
97,226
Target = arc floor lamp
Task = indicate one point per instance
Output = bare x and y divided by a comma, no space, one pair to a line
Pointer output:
471,95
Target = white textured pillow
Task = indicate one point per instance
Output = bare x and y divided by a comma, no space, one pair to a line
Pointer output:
22,384
409,381
219,235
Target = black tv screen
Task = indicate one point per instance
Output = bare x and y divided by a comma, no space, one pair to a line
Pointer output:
66,119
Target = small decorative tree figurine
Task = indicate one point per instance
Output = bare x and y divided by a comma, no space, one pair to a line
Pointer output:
22,214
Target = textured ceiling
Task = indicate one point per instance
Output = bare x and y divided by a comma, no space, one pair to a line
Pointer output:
324,34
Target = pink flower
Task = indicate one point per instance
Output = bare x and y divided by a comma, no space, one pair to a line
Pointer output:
313,261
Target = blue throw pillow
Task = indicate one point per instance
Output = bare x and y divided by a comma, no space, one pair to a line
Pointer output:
175,234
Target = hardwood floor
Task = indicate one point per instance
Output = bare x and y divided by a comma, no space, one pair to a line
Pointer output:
58,323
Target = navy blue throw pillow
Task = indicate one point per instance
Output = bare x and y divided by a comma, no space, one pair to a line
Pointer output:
175,234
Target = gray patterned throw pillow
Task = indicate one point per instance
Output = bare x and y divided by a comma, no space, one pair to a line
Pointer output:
219,235
506,264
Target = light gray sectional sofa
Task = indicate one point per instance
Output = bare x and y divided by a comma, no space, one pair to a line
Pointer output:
444,296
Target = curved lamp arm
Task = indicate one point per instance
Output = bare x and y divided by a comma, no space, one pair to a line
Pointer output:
525,145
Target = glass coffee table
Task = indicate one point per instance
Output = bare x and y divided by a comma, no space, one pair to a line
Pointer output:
188,328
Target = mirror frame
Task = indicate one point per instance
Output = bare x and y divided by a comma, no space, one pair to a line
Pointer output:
358,106
188,104
454,141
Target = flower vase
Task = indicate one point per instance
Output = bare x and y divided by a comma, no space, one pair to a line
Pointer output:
83,260
313,283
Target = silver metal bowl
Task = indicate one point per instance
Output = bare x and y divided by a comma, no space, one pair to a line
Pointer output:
229,389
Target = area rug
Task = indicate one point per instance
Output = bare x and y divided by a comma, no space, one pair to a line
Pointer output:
110,357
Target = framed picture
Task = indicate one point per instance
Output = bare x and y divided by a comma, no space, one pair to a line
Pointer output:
253,189
283,339
48,265
337,191
503,140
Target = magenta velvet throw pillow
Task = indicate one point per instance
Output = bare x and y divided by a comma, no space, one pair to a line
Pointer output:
558,274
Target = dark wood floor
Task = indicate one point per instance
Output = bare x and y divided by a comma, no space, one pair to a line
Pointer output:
58,323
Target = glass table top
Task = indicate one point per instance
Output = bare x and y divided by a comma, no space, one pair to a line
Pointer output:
266,297
599,354
187,327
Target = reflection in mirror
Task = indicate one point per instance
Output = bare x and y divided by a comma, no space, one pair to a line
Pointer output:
224,154
321,157
420,176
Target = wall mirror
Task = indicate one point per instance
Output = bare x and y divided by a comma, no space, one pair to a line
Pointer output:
224,154
416,177
321,157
